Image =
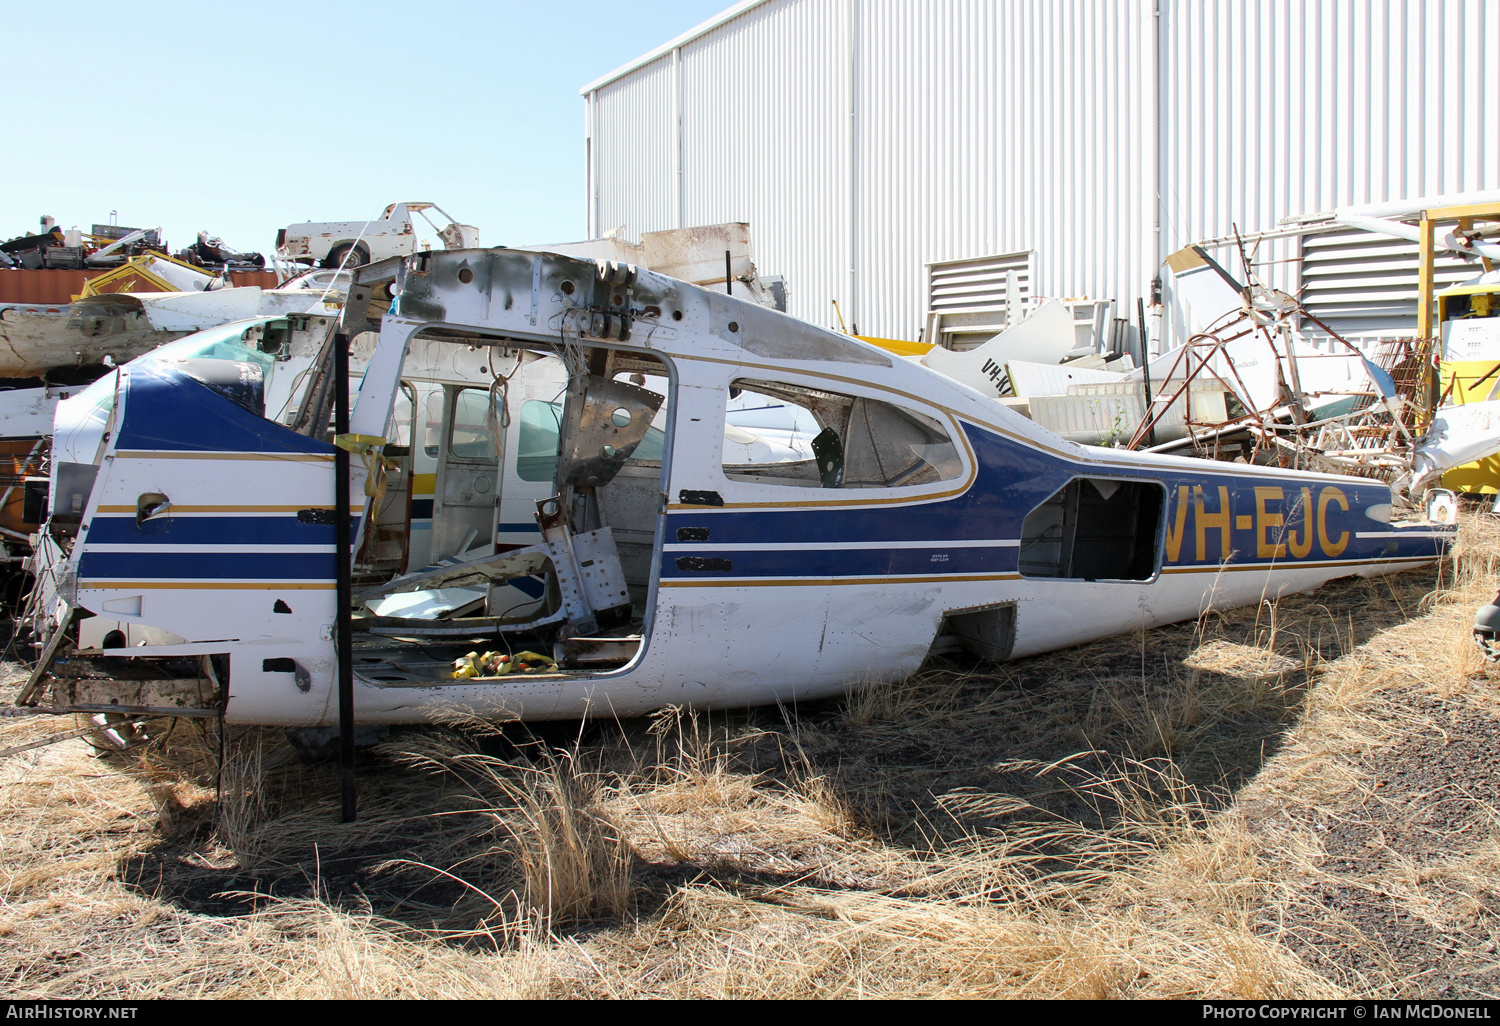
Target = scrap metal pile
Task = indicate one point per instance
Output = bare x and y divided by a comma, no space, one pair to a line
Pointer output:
1293,404
108,245
1250,386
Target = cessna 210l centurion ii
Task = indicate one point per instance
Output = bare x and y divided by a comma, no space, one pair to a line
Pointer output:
675,558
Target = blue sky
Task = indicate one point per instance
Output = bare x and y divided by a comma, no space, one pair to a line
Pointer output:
242,118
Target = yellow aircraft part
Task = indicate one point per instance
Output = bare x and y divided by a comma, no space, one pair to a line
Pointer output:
897,346
128,277
1471,381
134,275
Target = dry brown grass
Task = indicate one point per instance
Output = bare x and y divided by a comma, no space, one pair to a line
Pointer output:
570,857
1142,819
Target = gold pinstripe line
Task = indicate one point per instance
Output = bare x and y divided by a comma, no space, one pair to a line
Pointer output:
805,582
214,585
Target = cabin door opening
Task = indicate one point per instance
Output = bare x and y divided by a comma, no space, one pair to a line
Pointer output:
576,446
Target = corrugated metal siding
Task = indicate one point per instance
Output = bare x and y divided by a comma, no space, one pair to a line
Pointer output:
1363,284
983,127
1274,108
1280,107
764,141
636,148
988,128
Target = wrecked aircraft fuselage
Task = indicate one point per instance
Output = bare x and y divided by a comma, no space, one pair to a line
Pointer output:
687,566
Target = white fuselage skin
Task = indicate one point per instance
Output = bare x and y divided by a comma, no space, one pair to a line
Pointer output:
729,640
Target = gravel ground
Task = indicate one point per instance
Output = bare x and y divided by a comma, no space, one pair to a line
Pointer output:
1404,903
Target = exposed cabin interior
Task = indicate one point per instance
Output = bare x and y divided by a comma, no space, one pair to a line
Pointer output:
575,445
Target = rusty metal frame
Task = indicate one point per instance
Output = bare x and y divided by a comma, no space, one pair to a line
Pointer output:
1159,407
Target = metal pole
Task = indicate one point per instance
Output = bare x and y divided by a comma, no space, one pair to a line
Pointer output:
1424,278
1425,288
1140,313
343,546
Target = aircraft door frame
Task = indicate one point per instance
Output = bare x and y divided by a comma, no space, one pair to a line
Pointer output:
469,474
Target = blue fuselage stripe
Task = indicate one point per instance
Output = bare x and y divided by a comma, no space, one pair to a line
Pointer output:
1265,519
281,566
212,530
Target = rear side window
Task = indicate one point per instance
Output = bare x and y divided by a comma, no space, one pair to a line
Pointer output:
472,438
538,440
889,447
797,436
